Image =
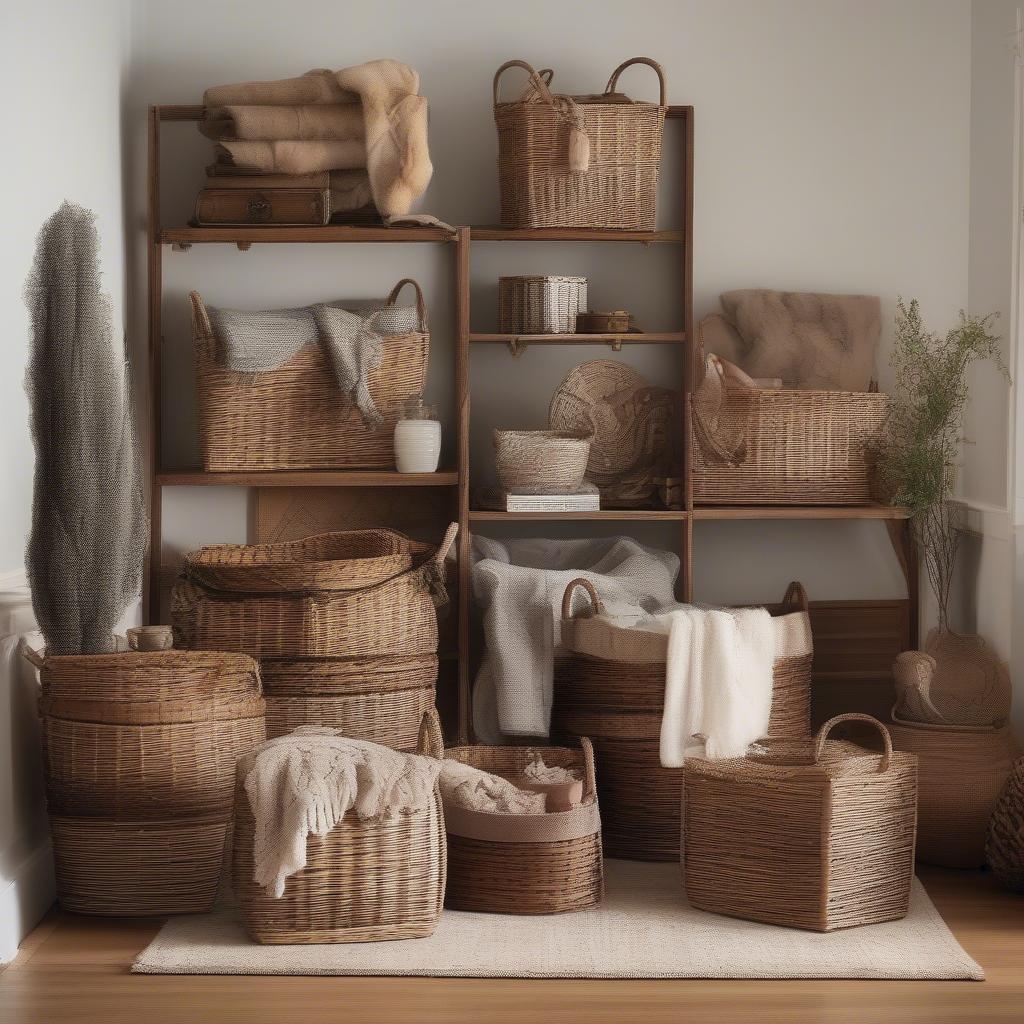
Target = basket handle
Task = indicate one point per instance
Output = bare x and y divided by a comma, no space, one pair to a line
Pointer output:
431,739
200,318
30,654
589,771
536,77
796,597
589,587
421,304
614,80
853,716
706,406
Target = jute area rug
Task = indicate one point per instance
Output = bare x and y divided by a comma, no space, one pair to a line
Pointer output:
644,929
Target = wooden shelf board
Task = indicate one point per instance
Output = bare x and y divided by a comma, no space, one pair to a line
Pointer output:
308,478
242,235
605,515
800,512
650,338
498,234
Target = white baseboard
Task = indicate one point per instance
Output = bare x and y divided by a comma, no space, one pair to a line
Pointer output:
24,900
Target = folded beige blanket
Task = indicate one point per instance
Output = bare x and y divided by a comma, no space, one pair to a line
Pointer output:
317,86
291,156
476,790
336,121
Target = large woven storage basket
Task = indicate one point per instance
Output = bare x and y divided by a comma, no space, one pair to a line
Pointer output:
612,688
294,417
381,700
525,863
542,187
780,447
813,834
395,618
363,881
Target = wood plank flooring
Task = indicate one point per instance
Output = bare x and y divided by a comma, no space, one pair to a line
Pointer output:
75,969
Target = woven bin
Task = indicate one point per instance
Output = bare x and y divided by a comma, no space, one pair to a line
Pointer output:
525,863
541,189
540,305
1004,845
381,700
541,461
962,772
396,618
776,447
813,834
612,689
363,882
293,417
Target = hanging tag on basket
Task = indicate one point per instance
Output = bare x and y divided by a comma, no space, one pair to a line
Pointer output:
579,149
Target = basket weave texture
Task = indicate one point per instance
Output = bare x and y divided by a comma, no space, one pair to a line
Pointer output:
541,461
815,834
540,187
525,864
540,305
612,688
1004,847
293,417
363,881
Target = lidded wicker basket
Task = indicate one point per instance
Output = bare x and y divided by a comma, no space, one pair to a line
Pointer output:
812,834
541,461
540,304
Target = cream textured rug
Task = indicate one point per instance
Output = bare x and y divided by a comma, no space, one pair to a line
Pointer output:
644,929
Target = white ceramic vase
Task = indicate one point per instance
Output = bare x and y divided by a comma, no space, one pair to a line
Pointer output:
417,446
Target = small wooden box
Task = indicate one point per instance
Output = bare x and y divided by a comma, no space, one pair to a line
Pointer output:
277,206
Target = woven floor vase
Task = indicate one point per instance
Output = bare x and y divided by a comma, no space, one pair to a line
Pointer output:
812,834
962,772
1004,847
363,881
525,863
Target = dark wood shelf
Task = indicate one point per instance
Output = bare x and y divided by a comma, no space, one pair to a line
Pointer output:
308,478
499,234
632,338
605,515
330,233
800,512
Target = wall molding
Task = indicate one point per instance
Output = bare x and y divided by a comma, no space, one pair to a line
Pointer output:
986,520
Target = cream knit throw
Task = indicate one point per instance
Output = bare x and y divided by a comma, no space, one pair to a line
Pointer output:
306,782
469,787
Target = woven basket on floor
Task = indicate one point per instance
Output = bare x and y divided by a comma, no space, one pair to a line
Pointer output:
541,461
381,700
396,618
525,863
962,772
1004,846
775,447
363,882
539,186
293,417
813,834
612,689
540,304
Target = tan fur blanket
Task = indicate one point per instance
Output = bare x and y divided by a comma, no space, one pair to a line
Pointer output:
342,122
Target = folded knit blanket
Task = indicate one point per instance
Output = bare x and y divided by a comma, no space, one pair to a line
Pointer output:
317,86
477,790
305,783
293,156
338,121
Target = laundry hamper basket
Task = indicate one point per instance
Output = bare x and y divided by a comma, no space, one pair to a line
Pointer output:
812,834
525,863
363,881
139,753
546,178
293,416
612,689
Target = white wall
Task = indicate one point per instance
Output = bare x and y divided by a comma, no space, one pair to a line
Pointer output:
832,154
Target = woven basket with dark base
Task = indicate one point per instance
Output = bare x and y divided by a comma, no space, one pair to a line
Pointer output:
525,863
363,882
1004,848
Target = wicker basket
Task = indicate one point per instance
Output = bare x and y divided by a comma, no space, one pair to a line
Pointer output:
543,182
293,417
540,305
363,882
962,772
1004,846
541,461
525,863
814,834
783,447
395,618
612,688
381,700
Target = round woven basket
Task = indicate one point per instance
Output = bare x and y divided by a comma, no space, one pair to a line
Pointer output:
541,461
525,863
1004,847
540,305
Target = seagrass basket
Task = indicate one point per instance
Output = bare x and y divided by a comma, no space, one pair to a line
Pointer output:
781,447
525,863
541,461
294,417
1004,845
395,618
612,689
363,881
545,177
812,834
381,700
540,304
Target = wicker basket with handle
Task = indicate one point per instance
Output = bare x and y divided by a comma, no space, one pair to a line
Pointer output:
579,161
813,834
612,689
293,417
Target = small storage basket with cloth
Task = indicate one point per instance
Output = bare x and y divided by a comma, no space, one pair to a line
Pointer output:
813,834
365,879
578,161
612,688
525,863
314,388
139,753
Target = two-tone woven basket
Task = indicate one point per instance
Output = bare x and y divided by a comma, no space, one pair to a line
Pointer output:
540,304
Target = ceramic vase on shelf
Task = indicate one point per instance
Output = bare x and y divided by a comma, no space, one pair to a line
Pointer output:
417,439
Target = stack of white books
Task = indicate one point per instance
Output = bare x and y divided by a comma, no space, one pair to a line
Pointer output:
587,499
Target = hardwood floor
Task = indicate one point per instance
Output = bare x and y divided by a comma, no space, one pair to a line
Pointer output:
75,969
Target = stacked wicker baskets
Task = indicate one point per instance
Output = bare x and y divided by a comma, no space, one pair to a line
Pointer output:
344,625
139,754
612,688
